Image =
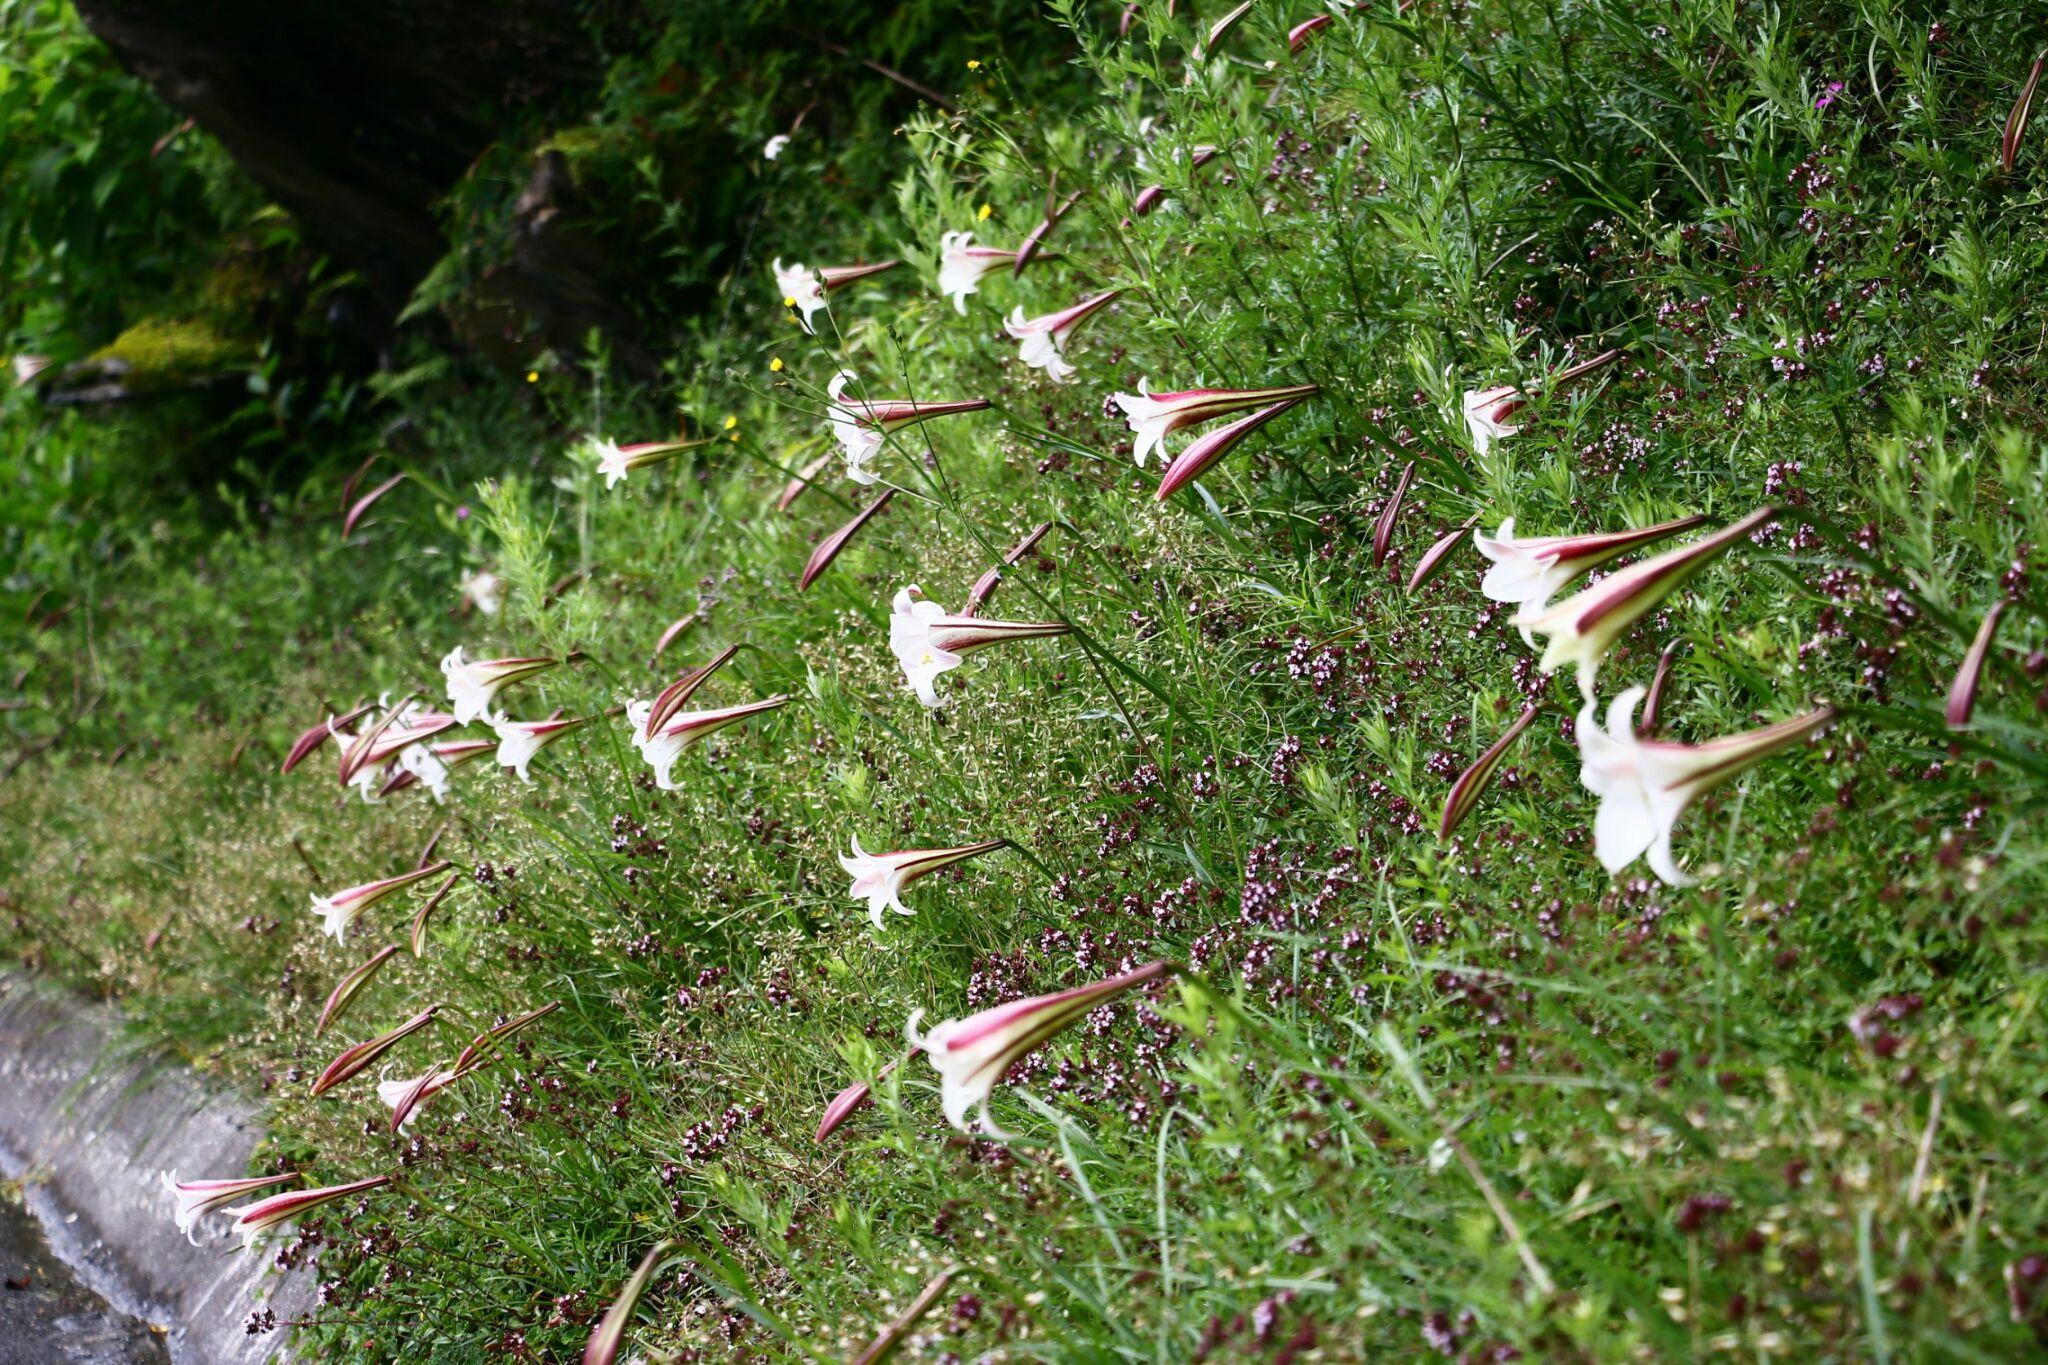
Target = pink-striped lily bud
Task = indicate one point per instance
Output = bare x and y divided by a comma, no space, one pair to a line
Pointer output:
803,289
1962,693
474,685
1644,785
317,735
1153,195
985,586
1436,556
849,1102
2016,122
520,741
673,698
829,548
256,1221
417,935
1653,704
1222,28
351,985
615,461
355,1059
484,1047
861,425
1528,570
1042,341
405,1095
197,1198
1298,36
1487,414
685,730
363,504
928,642
891,1338
1582,627
1155,416
794,489
1472,783
1207,449
370,753
1383,529
338,911
963,265
879,878
1034,241
610,1333
971,1055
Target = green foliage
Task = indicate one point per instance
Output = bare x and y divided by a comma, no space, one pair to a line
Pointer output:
1463,1097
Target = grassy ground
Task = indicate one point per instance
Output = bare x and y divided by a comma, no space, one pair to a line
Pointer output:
1471,1097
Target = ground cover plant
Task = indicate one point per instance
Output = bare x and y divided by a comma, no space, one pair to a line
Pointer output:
1607,936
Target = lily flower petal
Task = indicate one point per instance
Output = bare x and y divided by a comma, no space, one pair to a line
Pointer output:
473,685
1645,785
1472,783
1043,339
1582,627
256,1220
1487,412
1206,450
973,1054
341,909
356,1058
928,642
879,878
197,1198
861,425
615,461
962,265
1221,29
829,548
1155,416
1530,569
520,741
684,731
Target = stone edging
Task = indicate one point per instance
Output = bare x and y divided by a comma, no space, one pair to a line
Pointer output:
88,1125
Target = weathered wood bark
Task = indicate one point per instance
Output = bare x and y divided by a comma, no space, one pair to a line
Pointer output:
358,116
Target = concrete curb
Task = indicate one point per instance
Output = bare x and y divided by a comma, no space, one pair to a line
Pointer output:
88,1126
